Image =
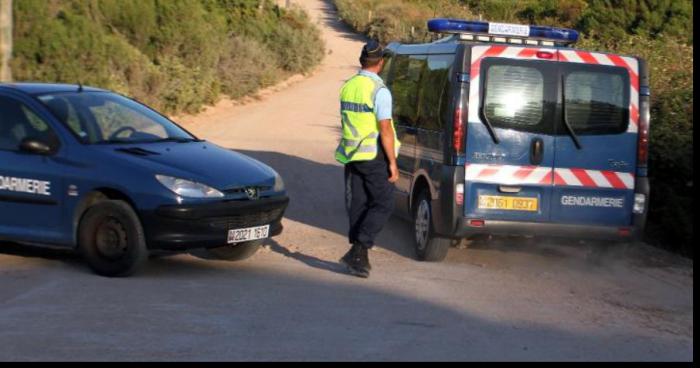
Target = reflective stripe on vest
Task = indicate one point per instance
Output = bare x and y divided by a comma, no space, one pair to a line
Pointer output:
359,123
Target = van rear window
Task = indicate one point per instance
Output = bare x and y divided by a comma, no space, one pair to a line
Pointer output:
595,102
514,96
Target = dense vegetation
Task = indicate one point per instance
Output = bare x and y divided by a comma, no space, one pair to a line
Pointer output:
175,55
660,31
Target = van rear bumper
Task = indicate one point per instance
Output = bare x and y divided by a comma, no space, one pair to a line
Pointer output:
547,229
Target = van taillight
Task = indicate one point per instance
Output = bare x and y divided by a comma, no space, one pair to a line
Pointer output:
545,55
643,146
458,135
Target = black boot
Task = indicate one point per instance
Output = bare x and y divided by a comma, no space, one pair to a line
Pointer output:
356,261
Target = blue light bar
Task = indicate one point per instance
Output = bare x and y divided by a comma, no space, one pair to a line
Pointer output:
445,25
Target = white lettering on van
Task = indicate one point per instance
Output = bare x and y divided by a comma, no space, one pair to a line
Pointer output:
593,201
23,185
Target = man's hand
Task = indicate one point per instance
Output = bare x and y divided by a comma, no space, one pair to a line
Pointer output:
386,133
393,173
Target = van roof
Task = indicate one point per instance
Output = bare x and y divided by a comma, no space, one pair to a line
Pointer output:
451,43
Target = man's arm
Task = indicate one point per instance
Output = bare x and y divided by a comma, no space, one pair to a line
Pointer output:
386,134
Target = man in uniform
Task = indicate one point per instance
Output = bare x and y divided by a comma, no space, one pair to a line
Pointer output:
368,149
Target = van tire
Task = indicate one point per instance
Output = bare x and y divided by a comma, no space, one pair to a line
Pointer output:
230,252
428,246
111,239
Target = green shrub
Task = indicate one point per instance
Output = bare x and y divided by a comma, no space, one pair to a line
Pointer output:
175,55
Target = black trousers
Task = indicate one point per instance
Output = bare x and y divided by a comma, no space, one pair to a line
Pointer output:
369,199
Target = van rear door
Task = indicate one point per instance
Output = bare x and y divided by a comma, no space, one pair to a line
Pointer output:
510,133
594,177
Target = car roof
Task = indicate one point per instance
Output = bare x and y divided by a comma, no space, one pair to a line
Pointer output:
43,88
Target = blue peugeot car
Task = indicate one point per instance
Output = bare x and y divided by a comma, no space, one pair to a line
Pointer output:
90,169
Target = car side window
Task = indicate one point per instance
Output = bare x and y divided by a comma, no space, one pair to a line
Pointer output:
404,87
435,90
514,97
596,101
18,122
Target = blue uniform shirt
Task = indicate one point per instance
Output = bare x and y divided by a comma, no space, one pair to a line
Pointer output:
383,100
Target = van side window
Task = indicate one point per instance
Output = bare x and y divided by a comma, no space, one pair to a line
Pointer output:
384,74
404,87
596,103
18,123
514,97
435,91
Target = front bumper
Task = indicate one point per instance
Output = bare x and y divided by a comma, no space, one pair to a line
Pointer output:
182,227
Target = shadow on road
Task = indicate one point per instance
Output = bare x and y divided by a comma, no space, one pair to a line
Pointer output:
308,260
317,199
183,308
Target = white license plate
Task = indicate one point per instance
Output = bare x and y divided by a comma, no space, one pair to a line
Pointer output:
248,234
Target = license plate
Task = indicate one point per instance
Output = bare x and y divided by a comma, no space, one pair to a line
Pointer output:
508,203
248,234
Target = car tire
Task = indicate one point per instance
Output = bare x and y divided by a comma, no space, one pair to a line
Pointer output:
428,246
230,252
111,239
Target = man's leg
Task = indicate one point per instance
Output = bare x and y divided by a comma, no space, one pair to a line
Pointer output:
355,200
380,204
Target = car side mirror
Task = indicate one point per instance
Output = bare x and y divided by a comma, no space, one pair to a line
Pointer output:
35,146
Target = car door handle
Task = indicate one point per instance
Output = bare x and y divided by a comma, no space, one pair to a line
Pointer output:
536,151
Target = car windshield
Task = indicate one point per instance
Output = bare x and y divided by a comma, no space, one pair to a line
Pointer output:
106,118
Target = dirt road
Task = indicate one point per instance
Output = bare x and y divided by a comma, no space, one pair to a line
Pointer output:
507,299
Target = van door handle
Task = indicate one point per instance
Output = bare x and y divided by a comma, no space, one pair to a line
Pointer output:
536,151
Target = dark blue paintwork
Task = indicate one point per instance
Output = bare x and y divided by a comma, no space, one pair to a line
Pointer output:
108,168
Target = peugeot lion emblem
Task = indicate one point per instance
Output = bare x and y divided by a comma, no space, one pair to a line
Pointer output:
252,193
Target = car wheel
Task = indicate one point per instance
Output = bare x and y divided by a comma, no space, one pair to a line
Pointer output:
429,247
111,239
230,252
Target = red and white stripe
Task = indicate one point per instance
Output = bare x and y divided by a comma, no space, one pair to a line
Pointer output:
509,174
593,178
538,175
598,58
573,56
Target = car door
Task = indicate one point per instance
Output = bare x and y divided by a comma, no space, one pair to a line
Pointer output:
510,141
31,187
404,85
594,177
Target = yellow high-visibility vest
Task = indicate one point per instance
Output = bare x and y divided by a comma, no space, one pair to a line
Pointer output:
360,125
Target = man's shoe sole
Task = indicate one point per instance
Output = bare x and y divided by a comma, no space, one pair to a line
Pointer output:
358,273
353,271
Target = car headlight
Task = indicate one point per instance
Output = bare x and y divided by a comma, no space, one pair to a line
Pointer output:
186,188
279,183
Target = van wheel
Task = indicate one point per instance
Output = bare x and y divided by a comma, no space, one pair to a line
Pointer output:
230,252
111,239
429,247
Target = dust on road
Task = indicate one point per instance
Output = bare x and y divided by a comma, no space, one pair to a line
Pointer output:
503,299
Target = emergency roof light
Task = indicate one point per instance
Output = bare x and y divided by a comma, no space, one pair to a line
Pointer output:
498,32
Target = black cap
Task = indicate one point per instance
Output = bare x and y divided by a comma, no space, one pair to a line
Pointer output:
372,51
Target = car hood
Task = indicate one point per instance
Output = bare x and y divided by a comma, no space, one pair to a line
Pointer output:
203,162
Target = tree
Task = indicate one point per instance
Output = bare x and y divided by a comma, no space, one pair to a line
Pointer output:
5,40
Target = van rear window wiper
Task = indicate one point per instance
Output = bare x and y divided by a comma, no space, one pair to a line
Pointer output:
491,130
569,129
